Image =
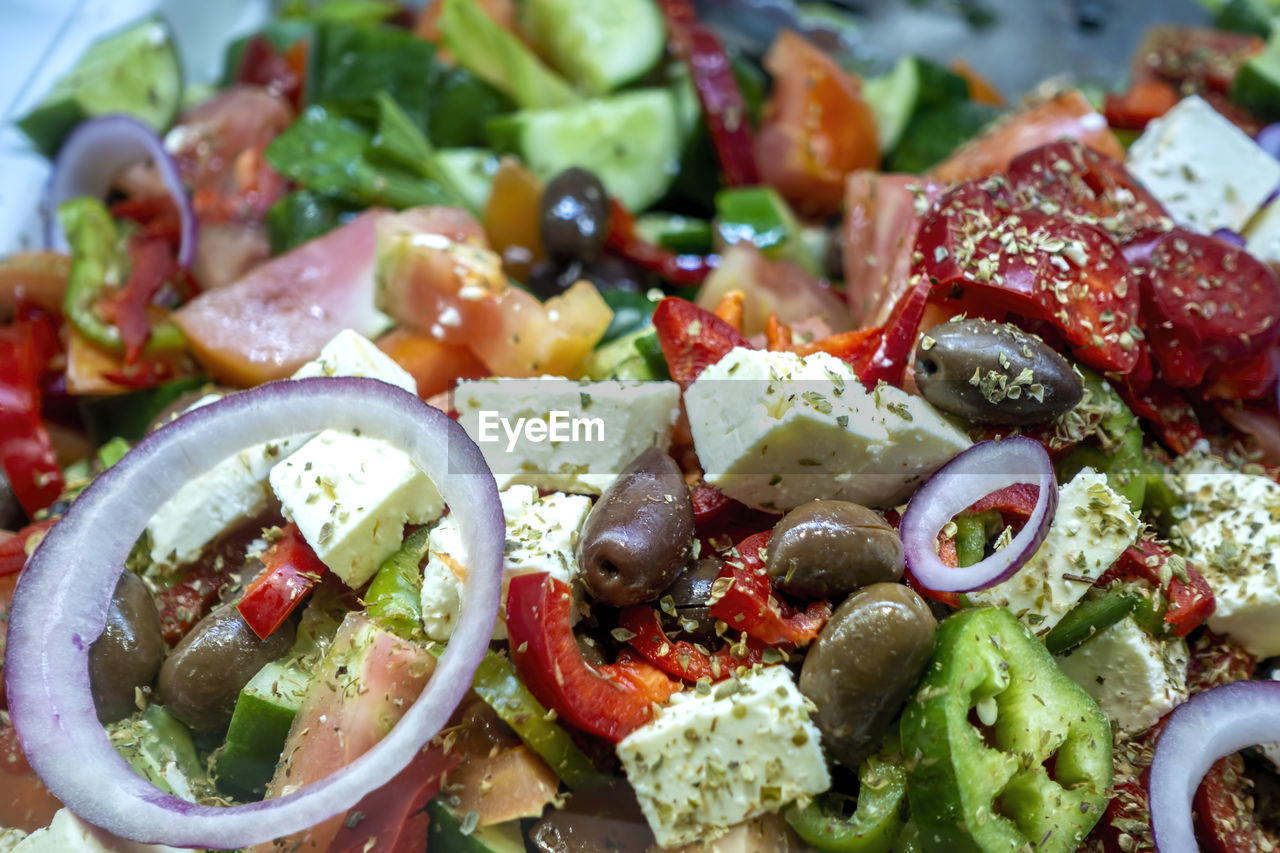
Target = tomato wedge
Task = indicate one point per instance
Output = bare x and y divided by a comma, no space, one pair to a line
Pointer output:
692,338
1044,267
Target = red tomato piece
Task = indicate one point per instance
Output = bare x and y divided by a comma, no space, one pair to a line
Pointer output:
1068,274
1086,186
1222,825
393,818
15,549
692,338
609,701
681,658
1205,295
749,604
1249,379
290,571
1189,595
26,450
817,127
1145,100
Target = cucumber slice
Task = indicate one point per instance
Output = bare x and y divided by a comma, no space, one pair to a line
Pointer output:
471,170
631,141
682,234
259,725
134,71
447,834
598,46
912,85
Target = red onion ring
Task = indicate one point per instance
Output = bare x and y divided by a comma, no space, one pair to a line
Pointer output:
1208,726
91,158
60,607
977,472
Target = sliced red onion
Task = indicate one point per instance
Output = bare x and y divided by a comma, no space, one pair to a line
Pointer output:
95,154
982,469
1268,139
61,601
1208,726
1226,235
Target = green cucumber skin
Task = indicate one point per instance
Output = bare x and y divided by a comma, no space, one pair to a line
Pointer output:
598,46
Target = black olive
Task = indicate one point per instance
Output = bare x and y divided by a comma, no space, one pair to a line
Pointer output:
828,549
127,655
574,216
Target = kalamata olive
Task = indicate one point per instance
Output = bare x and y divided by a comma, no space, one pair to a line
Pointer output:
864,664
828,549
547,278
128,653
639,534
690,594
204,674
994,373
11,515
574,216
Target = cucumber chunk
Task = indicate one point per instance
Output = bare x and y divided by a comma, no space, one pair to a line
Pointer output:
598,46
912,85
471,171
632,141
447,835
134,71
264,711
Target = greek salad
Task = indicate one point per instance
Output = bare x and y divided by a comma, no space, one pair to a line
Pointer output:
538,426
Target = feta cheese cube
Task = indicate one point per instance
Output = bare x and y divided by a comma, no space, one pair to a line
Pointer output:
352,354
1232,536
1262,235
775,430
565,436
542,536
1135,678
709,761
1091,529
351,497
1205,171
66,833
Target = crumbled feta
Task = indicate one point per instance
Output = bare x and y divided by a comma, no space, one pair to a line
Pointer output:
1135,678
1205,171
1091,529
542,536
775,430
711,760
587,432
1232,536
351,497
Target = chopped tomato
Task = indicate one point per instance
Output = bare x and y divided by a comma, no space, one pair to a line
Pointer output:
290,571
25,803
750,605
393,818
36,279
501,784
1145,100
692,338
1086,186
1044,267
608,701
681,658
981,90
772,287
1196,59
433,365
26,450
511,217
280,73
1223,823
816,129
282,313
1248,379
551,337
1189,595
1068,113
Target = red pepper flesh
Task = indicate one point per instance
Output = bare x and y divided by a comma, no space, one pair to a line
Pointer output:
681,658
623,240
291,570
15,549
749,604
1191,601
26,451
692,339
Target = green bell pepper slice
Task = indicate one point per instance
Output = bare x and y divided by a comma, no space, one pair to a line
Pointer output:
394,599
1089,617
986,784
98,261
877,820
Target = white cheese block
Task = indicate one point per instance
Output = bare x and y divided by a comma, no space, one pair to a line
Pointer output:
542,536
710,761
1232,536
1135,678
1205,171
351,497
775,430
352,354
1091,529
560,435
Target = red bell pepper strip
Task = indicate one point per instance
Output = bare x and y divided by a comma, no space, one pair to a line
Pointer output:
692,339
747,602
624,241
897,339
151,263
281,73
393,819
608,701
290,571
1146,100
681,658
723,106
15,550
26,451
1189,595
182,605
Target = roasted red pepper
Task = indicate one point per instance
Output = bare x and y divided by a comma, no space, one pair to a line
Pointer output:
15,550
290,571
279,72
692,339
681,658
723,106
26,452
1189,595
151,263
608,701
182,605
743,598
623,240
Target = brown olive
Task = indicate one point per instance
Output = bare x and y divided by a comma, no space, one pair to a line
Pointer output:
603,819
574,216
128,652
690,593
994,373
828,549
639,534
864,665
204,674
